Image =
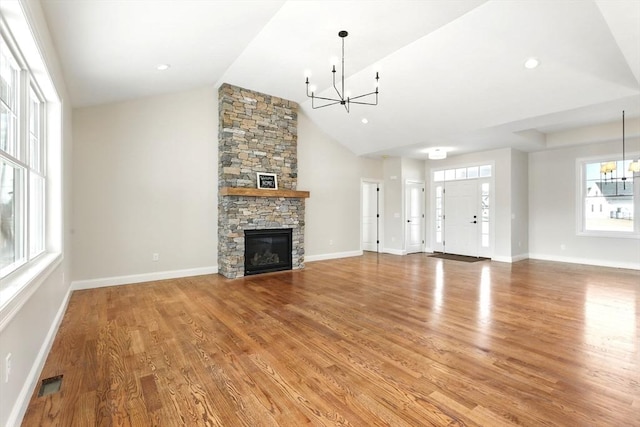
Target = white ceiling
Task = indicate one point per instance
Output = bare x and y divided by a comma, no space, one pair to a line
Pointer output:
451,72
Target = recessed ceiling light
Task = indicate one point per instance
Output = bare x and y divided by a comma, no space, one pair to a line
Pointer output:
365,121
163,67
531,63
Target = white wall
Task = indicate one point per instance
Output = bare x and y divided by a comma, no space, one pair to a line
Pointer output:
332,174
28,334
393,208
397,171
145,174
519,205
552,210
412,170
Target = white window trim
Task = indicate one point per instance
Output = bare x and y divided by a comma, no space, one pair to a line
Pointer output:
580,195
25,281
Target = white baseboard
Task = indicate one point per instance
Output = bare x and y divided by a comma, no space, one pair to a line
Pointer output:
394,251
334,255
510,259
520,257
586,261
22,402
140,278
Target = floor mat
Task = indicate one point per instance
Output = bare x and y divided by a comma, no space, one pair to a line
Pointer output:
455,257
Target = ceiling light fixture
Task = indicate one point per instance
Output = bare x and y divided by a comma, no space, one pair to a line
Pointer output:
365,120
437,154
343,98
163,67
531,63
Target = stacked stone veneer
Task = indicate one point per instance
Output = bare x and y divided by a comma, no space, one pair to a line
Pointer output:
257,133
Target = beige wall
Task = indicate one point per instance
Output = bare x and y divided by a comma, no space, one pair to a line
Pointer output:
332,174
145,175
146,182
393,208
553,209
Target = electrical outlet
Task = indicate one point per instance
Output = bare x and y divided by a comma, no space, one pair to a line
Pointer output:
7,367
331,242
155,257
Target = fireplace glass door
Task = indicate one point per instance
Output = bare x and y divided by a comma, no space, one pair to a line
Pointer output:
267,250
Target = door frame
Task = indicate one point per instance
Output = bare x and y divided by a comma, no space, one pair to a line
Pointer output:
431,238
380,183
406,214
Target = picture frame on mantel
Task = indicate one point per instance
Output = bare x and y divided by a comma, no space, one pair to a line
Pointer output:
267,181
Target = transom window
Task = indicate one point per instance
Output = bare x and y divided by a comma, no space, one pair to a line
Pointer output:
471,172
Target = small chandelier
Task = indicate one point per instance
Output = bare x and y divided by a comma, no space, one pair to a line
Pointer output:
342,99
610,167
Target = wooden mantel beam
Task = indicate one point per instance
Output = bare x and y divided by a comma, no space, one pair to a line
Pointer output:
259,192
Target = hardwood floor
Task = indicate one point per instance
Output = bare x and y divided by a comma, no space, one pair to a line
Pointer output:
366,341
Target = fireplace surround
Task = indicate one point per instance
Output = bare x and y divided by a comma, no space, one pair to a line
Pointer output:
257,133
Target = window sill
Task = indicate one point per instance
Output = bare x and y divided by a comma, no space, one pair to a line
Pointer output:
18,287
609,234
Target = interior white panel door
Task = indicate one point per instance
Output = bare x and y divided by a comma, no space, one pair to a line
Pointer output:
461,217
414,209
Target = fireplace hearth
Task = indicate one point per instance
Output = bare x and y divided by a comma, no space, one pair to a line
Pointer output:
267,250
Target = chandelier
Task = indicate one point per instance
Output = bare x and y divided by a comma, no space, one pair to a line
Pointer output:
342,98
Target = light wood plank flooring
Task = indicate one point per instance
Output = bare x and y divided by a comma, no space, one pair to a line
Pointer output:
378,340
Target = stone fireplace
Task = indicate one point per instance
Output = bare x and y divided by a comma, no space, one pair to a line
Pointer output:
257,133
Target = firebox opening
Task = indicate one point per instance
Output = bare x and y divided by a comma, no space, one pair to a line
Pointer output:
267,250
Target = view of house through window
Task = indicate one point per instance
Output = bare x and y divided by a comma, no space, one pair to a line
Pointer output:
608,199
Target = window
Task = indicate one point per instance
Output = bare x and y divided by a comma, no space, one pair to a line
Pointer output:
439,213
485,206
472,172
22,171
617,199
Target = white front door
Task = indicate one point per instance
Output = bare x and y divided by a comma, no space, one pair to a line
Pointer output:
370,216
461,217
414,212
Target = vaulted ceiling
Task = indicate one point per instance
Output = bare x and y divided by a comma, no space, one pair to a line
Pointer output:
451,72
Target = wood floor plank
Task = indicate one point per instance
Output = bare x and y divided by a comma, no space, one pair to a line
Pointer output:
377,340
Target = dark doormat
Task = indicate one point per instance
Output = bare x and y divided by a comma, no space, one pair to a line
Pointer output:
455,257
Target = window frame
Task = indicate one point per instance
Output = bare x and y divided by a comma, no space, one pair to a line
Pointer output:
582,190
18,285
